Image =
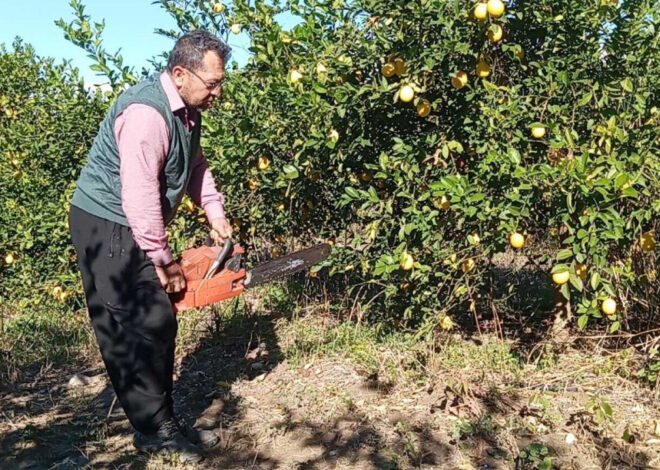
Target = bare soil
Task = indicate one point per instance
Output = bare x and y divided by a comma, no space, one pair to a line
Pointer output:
328,413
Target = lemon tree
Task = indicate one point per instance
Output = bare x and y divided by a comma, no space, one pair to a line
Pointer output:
472,123
423,138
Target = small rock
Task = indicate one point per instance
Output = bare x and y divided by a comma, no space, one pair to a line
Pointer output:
542,428
570,438
257,366
78,380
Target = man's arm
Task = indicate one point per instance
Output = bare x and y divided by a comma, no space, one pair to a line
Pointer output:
203,192
143,142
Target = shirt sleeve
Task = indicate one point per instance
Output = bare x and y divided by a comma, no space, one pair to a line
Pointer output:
143,142
202,190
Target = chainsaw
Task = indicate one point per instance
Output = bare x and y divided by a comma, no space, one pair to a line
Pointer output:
216,273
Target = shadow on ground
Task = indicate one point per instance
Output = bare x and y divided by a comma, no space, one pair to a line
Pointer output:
270,414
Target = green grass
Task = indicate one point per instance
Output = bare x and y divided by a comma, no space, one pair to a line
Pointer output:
41,335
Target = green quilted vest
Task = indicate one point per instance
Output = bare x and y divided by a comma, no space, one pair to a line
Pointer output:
99,188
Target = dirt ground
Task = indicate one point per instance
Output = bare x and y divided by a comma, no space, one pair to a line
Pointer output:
328,413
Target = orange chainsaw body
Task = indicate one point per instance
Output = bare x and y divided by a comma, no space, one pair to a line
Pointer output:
224,284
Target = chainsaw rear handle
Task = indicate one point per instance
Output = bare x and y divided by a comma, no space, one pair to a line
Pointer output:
222,256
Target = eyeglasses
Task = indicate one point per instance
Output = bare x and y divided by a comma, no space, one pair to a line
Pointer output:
211,86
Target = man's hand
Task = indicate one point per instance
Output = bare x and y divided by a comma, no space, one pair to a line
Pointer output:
171,277
220,230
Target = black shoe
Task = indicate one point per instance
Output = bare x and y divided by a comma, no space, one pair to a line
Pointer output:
168,438
201,437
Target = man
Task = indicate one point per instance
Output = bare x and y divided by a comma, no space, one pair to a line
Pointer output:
145,157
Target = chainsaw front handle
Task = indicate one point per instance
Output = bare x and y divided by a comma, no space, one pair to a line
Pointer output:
222,256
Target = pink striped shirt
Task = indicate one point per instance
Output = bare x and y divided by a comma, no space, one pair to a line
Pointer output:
143,140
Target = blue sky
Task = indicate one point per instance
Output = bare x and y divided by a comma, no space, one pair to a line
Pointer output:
129,26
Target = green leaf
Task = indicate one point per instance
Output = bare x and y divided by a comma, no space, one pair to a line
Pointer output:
290,172
615,326
582,321
576,282
352,192
514,156
585,98
564,254
627,85
565,291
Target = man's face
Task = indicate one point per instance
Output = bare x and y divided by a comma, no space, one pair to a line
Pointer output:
199,88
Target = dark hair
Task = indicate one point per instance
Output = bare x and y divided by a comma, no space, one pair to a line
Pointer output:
190,48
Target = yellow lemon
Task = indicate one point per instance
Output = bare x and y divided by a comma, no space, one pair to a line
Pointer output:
480,11
424,107
295,76
399,66
476,239
647,241
406,261
57,290
581,270
388,69
263,163
189,205
227,105
281,206
517,240
442,203
333,135
467,265
446,323
482,69
253,184
608,306
218,7
495,33
561,277
406,93
321,68
276,252
236,28
459,80
9,258
538,132
495,8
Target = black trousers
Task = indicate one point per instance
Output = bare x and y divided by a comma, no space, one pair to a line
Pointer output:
132,316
